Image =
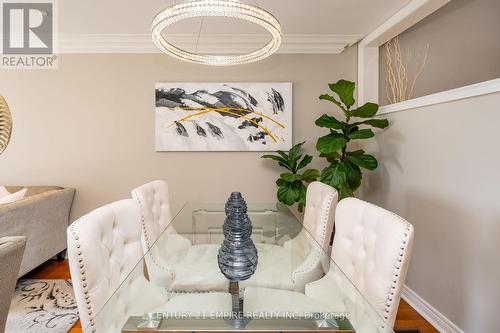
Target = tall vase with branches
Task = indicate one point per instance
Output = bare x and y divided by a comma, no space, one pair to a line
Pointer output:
400,80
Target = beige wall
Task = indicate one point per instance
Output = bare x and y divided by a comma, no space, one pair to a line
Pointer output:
90,125
464,42
439,168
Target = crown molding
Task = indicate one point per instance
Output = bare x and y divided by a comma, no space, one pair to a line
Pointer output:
215,44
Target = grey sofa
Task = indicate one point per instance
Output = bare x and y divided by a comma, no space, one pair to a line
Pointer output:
42,217
11,253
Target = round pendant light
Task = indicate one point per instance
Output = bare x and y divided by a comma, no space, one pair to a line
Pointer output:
216,8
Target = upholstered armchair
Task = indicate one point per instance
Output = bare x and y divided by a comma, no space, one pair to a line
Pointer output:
304,258
172,261
104,249
372,249
11,254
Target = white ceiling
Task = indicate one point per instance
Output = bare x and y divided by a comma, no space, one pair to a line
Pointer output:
114,19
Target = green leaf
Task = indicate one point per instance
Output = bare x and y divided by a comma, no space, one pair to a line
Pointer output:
378,123
330,122
366,111
281,182
289,193
356,152
274,157
334,175
305,161
283,154
345,90
365,161
345,192
281,161
332,99
310,175
302,198
290,177
362,134
330,143
294,152
353,175
331,157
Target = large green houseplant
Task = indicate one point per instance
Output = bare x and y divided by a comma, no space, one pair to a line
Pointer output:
292,184
344,172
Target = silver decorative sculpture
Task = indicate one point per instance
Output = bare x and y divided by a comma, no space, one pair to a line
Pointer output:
238,255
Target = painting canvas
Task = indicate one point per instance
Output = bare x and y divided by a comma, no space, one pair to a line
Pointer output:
223,116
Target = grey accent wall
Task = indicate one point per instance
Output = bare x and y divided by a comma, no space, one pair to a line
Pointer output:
439,169
90,125
464,40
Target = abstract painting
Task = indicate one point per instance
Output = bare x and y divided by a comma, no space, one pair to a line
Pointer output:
223,116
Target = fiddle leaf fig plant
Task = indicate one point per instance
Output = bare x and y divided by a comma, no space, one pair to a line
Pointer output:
344,172
292,184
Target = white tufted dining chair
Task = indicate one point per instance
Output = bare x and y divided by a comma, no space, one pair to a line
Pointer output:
172,261
372,249
303,258
104,252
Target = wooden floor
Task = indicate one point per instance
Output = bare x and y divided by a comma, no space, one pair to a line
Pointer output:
407,317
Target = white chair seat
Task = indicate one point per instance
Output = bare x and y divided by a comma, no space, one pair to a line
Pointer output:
274,268
280,302
197,304
196,269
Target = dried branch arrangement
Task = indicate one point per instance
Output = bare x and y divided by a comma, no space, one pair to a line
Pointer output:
397,85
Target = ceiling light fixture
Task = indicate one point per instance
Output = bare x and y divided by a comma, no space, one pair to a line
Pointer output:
216,8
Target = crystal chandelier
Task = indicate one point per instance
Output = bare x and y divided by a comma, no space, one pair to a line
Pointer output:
216,8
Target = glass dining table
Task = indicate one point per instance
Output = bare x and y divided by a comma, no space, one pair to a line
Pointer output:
178,286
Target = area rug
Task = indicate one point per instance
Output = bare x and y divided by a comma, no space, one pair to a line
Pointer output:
46,306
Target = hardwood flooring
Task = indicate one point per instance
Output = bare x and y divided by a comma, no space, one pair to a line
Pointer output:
406,319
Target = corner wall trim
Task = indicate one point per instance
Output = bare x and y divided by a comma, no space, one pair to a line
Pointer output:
368,48
477,89
433,316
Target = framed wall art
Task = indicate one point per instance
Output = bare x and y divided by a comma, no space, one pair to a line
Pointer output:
223,116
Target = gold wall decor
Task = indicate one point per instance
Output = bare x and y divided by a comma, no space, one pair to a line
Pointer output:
5,124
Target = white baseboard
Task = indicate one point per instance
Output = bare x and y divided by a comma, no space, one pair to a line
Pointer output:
433,316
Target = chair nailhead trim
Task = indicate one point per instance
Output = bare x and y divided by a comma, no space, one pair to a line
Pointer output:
82,273
146,238
397,268
320,252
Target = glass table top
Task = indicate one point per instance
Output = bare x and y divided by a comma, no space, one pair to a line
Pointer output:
178,285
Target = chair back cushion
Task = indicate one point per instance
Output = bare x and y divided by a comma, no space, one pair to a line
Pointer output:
11,254
153,199
312,244
321,201
372,246
104,249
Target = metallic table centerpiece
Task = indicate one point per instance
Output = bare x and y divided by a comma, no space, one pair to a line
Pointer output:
237,256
